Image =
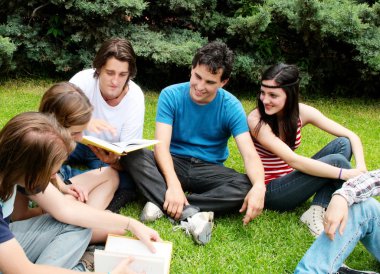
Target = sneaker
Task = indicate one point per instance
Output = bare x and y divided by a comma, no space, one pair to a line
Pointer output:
188,211
92,247
344,269
313,218
87,261
120,199
150,213
199,226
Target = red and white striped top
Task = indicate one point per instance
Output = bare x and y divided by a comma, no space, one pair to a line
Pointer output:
274,166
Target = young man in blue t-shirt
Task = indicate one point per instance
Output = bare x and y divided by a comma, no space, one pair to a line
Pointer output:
185,176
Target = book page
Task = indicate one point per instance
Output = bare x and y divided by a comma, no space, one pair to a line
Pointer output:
122,244
138,142
119,247
107,261
91,140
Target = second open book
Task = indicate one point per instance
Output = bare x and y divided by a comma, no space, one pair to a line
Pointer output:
120,148
119,247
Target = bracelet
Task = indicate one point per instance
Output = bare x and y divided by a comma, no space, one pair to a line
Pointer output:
340,173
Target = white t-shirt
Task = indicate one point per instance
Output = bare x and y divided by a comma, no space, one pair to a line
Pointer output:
127,117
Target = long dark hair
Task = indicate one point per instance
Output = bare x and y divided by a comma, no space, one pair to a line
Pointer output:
287,78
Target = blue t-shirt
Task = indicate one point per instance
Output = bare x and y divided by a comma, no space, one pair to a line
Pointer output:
6,209
5,233
201,131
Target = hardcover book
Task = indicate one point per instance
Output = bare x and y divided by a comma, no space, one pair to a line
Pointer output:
120,148
118,248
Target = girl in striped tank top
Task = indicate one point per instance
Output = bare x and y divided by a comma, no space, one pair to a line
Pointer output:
291,179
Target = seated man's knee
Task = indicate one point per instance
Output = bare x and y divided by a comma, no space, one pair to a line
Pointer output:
135,158
244,184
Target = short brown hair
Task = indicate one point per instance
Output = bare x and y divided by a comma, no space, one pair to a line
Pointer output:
215,55
31,144
68,103
119,48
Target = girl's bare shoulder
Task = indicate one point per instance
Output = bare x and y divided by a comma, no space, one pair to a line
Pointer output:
254,117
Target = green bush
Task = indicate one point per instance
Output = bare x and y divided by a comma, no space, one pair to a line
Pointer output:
334,42
7,48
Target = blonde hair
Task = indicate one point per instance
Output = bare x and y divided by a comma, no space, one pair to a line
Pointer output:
68,103
31,145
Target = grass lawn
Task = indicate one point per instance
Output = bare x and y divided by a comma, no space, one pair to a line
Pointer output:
272,243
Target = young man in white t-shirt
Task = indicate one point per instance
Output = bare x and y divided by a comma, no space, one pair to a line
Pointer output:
118,109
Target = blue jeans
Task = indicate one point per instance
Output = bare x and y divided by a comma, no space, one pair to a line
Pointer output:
293,189
47,241
83,155
326,256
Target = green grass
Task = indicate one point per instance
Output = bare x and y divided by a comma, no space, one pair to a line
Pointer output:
272,243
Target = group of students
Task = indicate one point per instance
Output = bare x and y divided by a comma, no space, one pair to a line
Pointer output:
184,177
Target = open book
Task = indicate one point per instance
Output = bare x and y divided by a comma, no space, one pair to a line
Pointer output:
120,148
120,247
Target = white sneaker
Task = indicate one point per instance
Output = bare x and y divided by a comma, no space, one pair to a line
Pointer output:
150,213
199,226
313,218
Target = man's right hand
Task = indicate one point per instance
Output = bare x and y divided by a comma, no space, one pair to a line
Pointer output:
336,216
175,200
98,126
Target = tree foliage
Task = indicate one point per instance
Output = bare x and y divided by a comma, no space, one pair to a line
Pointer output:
336,43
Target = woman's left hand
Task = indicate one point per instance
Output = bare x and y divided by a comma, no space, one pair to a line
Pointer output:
336,216
76,191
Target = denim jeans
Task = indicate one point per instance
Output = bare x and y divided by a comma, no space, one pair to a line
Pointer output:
83,155
208,186
326,256
47,241
293,189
